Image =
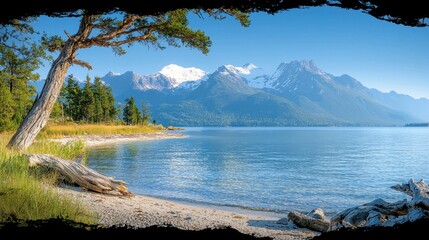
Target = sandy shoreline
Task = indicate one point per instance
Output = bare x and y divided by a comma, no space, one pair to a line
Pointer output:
143,211
96,140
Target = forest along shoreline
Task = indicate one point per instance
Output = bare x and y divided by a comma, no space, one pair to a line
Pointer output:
139,211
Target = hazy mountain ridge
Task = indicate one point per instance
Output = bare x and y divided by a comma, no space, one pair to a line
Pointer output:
297,93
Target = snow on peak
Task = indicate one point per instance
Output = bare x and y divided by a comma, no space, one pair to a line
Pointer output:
246,69
112,74
180,74
292,68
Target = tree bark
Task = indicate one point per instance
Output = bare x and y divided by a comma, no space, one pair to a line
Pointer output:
38,115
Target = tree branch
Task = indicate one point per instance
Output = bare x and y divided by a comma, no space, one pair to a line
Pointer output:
67,34
82,64
53,47
125,41
11,47
127,23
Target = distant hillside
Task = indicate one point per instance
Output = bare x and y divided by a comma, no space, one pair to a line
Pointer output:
298,93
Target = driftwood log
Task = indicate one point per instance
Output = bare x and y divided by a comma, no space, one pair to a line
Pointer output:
79,174
376,213
315,220
382,213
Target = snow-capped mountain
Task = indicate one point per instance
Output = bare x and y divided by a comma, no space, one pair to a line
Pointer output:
233,73
179,75
169,77
296,93
112,74
246,69
286,73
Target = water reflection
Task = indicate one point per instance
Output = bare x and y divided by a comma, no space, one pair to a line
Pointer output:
272,168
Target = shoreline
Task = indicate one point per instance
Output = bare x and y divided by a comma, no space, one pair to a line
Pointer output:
140,211
107,139
230,208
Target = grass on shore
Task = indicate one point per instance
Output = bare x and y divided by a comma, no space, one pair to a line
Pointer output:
57,130
27,193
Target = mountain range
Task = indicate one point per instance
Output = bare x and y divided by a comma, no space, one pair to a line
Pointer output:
297,93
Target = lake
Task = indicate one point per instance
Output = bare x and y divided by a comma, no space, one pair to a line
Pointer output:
271,168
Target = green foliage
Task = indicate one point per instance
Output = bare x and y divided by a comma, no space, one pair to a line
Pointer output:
26,193
132,115
109,30
131,112
92,103
159,30
73,97
52,43
17,64
57,112
6,107
175,28
88,101
105,110
145,114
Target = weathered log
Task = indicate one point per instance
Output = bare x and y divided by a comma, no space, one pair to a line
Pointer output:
315,220
79,174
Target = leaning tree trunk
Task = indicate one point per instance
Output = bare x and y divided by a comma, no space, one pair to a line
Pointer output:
38,115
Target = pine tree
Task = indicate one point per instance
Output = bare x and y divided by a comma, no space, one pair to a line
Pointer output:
74,99
88,102
99,95
131,112
93,103
110,110
145,114
128,111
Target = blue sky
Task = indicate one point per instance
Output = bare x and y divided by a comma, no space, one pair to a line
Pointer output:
380,54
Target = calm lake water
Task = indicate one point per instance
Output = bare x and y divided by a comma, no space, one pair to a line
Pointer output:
271,169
